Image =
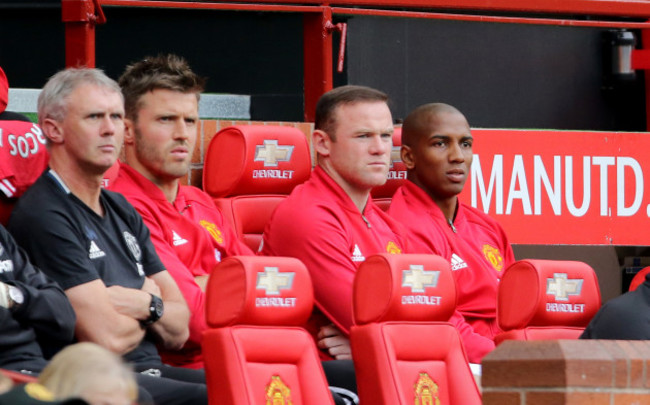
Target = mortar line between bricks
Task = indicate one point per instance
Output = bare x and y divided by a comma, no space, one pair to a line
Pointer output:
641,390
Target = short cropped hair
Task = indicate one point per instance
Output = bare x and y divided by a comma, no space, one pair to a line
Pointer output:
168,72
53,100
326,106
418,123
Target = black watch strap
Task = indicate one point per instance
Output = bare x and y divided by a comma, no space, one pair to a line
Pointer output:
156,309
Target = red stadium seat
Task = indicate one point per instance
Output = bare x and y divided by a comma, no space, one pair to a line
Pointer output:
404,349
396,174
638,278
249,170
546,299
255,350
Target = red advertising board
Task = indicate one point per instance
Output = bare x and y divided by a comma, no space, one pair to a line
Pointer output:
563,187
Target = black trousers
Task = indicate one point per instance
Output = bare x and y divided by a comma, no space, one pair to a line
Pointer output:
166,385
342,381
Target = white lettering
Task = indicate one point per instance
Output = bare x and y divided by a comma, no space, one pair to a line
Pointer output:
629,185
586,186
277,302
25,145
519,177
603,162
555,192
6,266
30,136
621,164
496,184
12,142
420,300
272,174
36,130
396,175
567,308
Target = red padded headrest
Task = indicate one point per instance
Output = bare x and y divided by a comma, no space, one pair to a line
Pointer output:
639,278
547,293
256,159
257,290
4,91
406,287
397,171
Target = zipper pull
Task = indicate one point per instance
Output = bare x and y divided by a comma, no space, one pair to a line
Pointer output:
451,224
366,221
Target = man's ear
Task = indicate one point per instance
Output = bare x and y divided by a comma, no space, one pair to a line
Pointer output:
321,142
406,154
129,131
52,130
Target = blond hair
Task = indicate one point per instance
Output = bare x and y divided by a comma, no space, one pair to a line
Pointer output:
82,369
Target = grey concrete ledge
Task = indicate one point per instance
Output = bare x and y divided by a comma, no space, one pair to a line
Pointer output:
227,106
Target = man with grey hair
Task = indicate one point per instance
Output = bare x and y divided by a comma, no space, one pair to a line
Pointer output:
93,242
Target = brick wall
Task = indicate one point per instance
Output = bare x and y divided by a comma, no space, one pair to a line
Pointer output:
209,128
569,372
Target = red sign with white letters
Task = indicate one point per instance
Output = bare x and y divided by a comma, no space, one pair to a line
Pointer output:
563,187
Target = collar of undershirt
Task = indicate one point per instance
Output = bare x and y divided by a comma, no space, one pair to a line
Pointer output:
59,181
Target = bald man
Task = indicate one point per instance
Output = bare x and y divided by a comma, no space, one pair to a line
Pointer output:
437,151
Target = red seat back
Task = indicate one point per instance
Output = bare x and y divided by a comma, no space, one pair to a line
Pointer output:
254,348
250,169
404,349
638,278
546,299
396,174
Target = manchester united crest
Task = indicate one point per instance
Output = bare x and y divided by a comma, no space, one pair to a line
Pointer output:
133,246
277,393
392,248
426,391
493,256
213,230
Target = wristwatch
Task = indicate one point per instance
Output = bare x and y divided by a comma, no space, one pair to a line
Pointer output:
16,296
156,309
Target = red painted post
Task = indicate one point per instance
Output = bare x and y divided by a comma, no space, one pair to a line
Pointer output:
80,17
645,41
317,58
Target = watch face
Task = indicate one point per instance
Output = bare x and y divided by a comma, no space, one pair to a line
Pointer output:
159,308
16,295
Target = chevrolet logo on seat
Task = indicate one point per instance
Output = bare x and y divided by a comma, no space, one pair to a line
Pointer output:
418,279
562,287
271,153
272,281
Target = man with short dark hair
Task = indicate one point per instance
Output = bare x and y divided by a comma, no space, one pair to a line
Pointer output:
189,232
95,245
330,222
437,151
